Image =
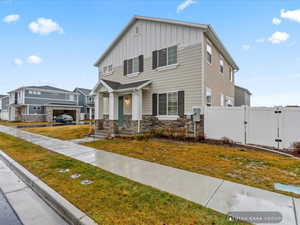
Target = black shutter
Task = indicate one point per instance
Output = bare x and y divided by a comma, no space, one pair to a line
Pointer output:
141,63
181,103
125,67
154,104
154,60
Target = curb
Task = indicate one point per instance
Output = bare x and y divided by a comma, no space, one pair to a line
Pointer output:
63,207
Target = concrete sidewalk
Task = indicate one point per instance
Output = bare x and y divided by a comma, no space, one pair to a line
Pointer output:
27,206
220,195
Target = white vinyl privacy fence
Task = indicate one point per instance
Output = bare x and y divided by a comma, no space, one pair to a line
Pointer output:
275,127
4,115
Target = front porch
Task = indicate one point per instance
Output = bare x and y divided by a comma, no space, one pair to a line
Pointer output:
119,107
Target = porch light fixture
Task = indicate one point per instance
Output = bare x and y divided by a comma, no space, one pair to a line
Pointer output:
127,101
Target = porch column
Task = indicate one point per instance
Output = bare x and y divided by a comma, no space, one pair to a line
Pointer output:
99,106
113,106
137,105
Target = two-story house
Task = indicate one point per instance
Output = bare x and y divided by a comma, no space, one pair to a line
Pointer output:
157,71
86,101
42,103
4,102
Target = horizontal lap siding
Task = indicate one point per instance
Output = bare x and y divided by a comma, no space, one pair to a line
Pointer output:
186,77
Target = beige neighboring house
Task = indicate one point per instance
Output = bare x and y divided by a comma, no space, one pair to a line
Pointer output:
242,96
157,71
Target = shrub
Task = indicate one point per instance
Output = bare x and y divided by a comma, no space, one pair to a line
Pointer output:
227,141
200,137
296,147
142,137
158,133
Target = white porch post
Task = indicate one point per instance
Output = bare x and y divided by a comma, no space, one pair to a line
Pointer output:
137,103
98,106
113,106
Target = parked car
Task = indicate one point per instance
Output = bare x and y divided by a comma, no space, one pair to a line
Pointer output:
63,118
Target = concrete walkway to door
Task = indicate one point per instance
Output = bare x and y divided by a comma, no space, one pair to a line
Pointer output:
220,195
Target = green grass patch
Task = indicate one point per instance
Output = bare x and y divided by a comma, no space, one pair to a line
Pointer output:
111,199
246,166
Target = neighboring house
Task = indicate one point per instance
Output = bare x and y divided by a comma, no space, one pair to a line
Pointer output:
242,96
86,101
157,71
42,103
4,102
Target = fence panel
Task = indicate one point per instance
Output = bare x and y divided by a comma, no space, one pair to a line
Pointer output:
290,127
262,126
4,115
222,122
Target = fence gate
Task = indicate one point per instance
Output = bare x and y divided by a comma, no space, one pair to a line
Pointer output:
263,126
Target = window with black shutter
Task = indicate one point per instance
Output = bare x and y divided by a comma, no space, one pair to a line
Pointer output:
162,57
162,104
154,104
129,66
141,63
154,60
125,67
181,103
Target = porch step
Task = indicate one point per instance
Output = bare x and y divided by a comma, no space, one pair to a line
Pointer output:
101,134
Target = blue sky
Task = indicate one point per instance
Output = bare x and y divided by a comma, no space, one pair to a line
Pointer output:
60,48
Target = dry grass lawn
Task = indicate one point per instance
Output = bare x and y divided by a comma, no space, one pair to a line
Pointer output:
111,199
245,166
63,132
12,124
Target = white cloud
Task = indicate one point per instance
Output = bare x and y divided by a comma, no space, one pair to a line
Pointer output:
185,4
246,47
45,26
279,37
11,18
18,61
276,21
291,15
34,59
261,40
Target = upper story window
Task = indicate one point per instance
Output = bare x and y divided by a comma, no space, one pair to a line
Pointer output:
231,74
134,65
208,97
107,69
34,92
209,53
221,65
164,57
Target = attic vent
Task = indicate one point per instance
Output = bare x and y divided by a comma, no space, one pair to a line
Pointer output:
136,29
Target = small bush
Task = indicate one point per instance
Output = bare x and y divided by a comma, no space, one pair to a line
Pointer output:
158,133
296,147
227,141
142,137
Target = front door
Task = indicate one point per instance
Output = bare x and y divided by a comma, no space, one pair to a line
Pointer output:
121,111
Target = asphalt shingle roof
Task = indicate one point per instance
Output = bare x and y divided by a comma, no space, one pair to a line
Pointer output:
84,90
46,87
118,86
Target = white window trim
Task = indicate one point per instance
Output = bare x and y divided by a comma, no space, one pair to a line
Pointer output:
231,75
208,93
209,50
167,117
167,101
133,74
168,67
221,63
171,66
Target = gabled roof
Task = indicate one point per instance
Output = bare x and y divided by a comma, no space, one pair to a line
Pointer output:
208,30
44,87
244,89
118,86
114,86
84,91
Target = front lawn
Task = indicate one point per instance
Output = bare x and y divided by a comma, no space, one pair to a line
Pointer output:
63,132
111,199
246,166
13,124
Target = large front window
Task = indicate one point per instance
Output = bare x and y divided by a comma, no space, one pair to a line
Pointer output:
168,103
